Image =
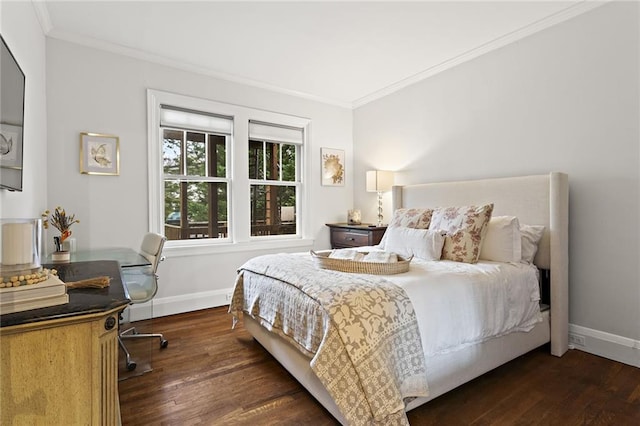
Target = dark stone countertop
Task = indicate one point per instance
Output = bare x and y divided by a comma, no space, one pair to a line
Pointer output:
82,301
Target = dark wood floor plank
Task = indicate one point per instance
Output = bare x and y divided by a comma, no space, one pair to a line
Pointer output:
213,375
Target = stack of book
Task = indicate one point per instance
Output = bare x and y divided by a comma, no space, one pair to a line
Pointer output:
24,293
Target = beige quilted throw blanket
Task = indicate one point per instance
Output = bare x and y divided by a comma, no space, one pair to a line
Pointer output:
359,330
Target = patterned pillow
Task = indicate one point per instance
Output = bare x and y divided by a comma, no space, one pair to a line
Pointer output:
465,227
409,218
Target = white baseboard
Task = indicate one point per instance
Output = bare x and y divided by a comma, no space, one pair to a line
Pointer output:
607,345
163,306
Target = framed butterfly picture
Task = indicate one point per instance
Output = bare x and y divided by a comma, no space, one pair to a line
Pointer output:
99,154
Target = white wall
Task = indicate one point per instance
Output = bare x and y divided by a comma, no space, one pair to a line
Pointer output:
90,90
565,99
20,28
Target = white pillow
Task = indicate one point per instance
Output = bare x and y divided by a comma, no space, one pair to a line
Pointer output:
531,236
421,243
502,240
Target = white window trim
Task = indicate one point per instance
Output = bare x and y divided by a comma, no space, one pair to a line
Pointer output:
239,211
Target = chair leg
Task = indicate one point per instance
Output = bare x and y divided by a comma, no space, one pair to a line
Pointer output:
131,333
131,365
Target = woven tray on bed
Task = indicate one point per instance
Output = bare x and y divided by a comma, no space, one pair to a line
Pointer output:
323,261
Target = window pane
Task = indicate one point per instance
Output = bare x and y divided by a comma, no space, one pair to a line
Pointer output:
171,151
172,214
256,160
172,202
273,210
219,226
288,162
204,207
207,204
272,160
197,197
196,154
218,154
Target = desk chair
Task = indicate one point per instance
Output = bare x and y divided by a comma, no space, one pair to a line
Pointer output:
142,285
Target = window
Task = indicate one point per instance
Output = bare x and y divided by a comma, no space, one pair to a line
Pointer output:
195,174
274,178
225,177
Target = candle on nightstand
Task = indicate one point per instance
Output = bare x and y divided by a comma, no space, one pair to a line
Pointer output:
354,217
17,243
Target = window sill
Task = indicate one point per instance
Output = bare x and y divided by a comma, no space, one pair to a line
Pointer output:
221,248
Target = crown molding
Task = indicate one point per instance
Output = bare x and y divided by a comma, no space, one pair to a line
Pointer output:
183,66
42,13
542,24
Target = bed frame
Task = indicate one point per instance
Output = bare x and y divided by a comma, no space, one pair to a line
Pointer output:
535,200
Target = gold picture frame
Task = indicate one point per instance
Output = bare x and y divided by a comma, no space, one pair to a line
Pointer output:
99,154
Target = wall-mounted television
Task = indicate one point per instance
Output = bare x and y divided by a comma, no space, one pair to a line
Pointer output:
11,120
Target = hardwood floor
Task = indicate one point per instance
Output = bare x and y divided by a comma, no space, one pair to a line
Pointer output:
212,375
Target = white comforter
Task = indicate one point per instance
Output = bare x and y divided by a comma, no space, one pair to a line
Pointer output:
459,304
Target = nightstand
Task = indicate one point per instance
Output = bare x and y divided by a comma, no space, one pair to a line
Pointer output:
344,235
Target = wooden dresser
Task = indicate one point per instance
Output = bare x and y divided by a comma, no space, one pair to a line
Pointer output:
59,365
344,235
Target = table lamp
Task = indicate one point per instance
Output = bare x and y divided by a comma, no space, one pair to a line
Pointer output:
379,181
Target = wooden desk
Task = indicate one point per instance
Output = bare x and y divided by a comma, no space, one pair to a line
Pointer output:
59,365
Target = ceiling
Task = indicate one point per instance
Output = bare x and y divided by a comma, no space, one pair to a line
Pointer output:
343,53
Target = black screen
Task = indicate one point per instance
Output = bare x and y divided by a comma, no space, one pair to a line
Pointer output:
11,120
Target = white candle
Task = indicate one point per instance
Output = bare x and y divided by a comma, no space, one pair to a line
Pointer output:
17,243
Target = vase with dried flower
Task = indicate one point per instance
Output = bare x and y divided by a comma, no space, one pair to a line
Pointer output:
62,222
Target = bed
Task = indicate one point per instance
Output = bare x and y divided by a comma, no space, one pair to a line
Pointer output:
537,200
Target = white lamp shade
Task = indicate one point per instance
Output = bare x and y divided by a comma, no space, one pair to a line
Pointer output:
379,181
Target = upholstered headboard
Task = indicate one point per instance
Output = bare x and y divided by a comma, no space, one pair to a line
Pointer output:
535,200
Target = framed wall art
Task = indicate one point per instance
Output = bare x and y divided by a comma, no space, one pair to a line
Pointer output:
99,154
11,157
10,146
332,167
